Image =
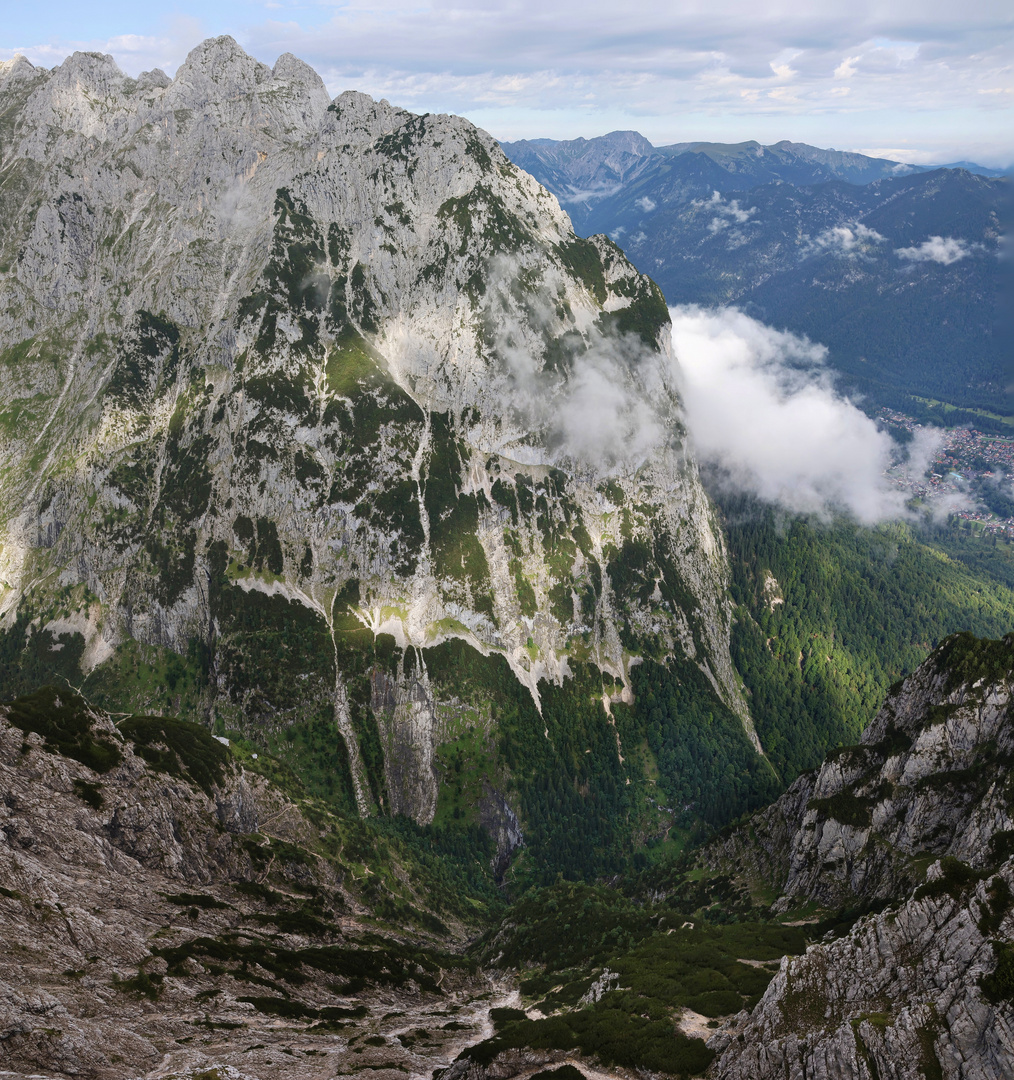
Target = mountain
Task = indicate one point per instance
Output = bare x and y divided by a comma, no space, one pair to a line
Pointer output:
588,174
322,425
890,873
855,268
971,166
367,636
584,169
925,797
894,268
175,905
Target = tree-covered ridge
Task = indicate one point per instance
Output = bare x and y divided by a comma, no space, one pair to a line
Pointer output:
829,616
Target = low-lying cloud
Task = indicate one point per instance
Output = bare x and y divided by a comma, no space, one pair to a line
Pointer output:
727,213
939,249
762,407
603,419
848,239
596,405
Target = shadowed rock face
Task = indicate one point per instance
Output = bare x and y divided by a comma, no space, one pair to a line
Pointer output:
923,988
269,356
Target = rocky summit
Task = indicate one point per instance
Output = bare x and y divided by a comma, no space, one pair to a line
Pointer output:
269,357
366,636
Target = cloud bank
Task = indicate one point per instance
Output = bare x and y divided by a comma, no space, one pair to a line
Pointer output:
848,240
762,408
938,249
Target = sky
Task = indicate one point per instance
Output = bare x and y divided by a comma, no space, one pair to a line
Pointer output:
915,80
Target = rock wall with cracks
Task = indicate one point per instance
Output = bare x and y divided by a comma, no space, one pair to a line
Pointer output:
917,819
260,349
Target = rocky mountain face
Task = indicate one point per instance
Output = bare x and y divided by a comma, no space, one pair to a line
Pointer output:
916,822
166,910
295,389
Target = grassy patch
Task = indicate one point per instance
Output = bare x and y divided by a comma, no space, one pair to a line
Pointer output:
178,748
957,878
845,807
89,793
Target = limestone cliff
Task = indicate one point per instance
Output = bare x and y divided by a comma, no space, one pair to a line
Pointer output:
919,818
263,351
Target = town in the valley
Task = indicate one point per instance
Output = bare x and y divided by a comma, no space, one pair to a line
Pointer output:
968,472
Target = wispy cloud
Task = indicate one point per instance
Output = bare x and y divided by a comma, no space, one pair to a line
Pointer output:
727,213
663,69
848,239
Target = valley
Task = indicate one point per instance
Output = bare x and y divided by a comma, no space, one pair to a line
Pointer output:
892,267
386,691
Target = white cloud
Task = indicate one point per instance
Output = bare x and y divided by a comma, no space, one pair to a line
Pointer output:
646,204
937,249
848,239
728,212
672,71
603,418
597,407
762,407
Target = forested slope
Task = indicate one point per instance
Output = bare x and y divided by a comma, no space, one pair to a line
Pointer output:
830,615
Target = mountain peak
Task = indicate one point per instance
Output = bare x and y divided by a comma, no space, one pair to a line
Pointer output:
155,79
222,62
364,336
302,81
631,141
17,69
92,69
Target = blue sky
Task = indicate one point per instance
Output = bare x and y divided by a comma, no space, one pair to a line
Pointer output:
921,81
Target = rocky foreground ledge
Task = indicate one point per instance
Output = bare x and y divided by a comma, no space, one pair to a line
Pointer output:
169,910
917,824
166,911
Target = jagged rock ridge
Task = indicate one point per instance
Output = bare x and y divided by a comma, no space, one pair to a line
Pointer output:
260,347
923,988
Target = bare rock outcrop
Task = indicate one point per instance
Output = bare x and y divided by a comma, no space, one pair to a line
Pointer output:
918,823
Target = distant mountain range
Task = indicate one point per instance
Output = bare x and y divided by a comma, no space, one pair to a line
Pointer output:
587,175
892,266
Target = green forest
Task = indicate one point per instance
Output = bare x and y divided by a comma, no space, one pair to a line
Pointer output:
852,611
827,615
